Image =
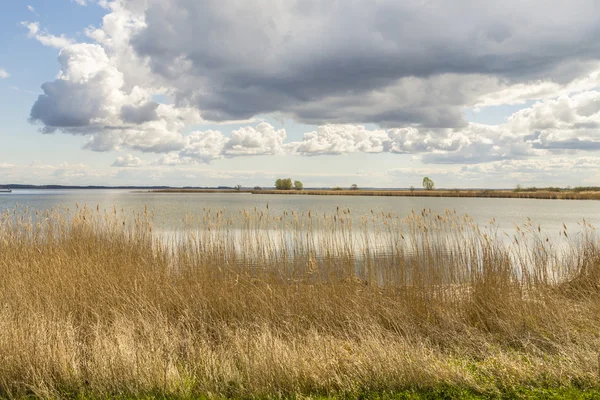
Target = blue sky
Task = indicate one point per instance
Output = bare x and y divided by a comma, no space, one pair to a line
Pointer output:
203,93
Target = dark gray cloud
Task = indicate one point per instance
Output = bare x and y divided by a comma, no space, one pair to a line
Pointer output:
235,59
140,114
66,104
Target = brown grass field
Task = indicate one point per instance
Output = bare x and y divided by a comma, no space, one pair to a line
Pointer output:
494,193
97,304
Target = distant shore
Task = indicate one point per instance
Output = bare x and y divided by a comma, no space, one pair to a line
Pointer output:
507,194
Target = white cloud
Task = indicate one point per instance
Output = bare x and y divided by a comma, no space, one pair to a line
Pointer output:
471,144
46,38
567,123
128,161
341,139
4,74
203,146
564,124
262,140
31,8
90,97
172,159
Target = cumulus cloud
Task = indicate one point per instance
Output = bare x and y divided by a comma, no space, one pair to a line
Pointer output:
46,38
4,74
474,143
407,68
128,161
262,140
90,97
172,159
84,93
204,146
565,123
341,139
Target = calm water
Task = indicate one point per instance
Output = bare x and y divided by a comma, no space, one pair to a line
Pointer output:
171,208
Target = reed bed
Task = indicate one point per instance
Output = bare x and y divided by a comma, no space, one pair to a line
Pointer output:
98,304
493,193
532,193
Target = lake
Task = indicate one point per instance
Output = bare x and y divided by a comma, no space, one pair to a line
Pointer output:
170,209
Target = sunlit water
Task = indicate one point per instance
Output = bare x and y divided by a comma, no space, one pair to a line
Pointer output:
171,209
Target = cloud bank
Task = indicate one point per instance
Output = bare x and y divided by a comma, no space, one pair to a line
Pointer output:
410,68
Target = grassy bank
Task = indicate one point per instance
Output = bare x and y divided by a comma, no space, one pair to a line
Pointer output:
176,190
98,305
503,194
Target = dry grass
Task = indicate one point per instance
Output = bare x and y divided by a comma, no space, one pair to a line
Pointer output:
575,194
183,190
493,193
96,304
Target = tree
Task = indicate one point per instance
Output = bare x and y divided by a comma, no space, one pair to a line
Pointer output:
298,185
283,184
428,183
238,187
354,186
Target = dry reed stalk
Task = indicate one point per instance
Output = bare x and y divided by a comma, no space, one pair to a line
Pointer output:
98,304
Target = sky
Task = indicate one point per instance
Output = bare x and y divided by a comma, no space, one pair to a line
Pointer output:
378,93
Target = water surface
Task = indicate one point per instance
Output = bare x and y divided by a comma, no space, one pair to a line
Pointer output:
171,209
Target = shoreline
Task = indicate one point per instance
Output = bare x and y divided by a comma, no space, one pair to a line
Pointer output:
504,194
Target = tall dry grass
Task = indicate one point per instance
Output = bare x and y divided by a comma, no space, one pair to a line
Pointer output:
578,193
575,194
96,303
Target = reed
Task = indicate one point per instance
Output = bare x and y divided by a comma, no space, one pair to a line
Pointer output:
97,303
575,194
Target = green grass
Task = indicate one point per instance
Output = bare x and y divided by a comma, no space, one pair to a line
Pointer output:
442,392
